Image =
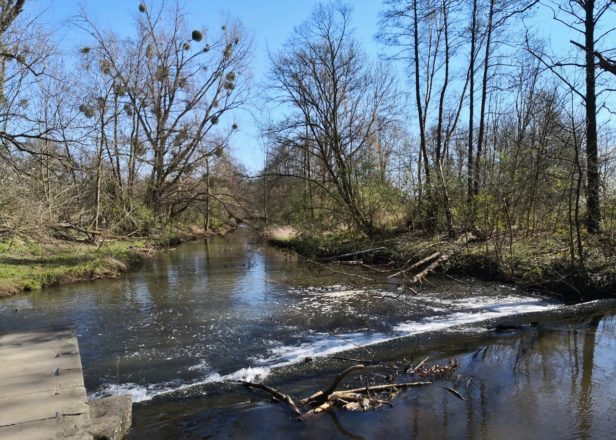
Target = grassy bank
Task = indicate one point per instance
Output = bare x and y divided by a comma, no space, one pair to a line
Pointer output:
28,263
539,262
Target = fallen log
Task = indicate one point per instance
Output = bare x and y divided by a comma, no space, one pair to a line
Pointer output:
61,228
435,259
466,238
339,272
431,268
425,260
417,264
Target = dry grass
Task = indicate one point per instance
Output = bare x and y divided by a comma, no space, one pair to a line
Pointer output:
281,234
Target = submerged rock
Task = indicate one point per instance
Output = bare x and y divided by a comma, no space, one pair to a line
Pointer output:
110,417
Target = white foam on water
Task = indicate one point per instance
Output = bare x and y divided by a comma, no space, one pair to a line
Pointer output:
248,374
201,366
444,322
325,344
462,311
320,345
140,393
342,293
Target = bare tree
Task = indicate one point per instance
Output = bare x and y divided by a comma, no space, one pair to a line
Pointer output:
583,17
499,12
9,10
25,53
339,99
177,85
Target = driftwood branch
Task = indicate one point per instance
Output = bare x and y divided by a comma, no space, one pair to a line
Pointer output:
413,370
353,254
455,393
325,395
377,388
339,378
277,394
364,398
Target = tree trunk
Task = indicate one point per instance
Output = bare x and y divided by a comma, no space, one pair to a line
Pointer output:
206,219
439,131
593,215
420,116
484,94
471,114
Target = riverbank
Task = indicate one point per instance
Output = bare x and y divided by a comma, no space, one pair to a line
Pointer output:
34,263
541,262
179,332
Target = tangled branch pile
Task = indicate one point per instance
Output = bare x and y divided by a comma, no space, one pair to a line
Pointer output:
368,397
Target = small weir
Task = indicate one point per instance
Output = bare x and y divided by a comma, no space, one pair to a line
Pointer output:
180,332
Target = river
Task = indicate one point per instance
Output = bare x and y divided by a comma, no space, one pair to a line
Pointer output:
178,333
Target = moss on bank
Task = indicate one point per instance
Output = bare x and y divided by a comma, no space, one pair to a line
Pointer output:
31,264
540,262
27,265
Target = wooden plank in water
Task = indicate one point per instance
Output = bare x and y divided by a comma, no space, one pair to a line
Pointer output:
42,395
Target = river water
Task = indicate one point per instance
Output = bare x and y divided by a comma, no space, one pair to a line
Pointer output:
178,333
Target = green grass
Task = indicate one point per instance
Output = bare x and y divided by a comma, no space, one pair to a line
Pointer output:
27,265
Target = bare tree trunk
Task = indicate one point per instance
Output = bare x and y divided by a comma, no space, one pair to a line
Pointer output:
421,120
471,114
9,10
206,219
484,94
593,215
99,171
439,131
308,194
578,191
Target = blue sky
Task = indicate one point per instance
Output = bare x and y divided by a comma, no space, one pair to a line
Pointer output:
271,23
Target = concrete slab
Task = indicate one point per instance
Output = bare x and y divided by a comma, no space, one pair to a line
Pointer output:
111,417
37,382
42,395
69,427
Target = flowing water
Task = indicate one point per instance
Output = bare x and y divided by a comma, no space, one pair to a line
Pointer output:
181,331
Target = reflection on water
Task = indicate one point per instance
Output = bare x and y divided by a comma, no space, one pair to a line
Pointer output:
174,333
553,381
230,308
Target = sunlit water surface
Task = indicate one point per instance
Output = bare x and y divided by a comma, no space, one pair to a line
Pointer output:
177,334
